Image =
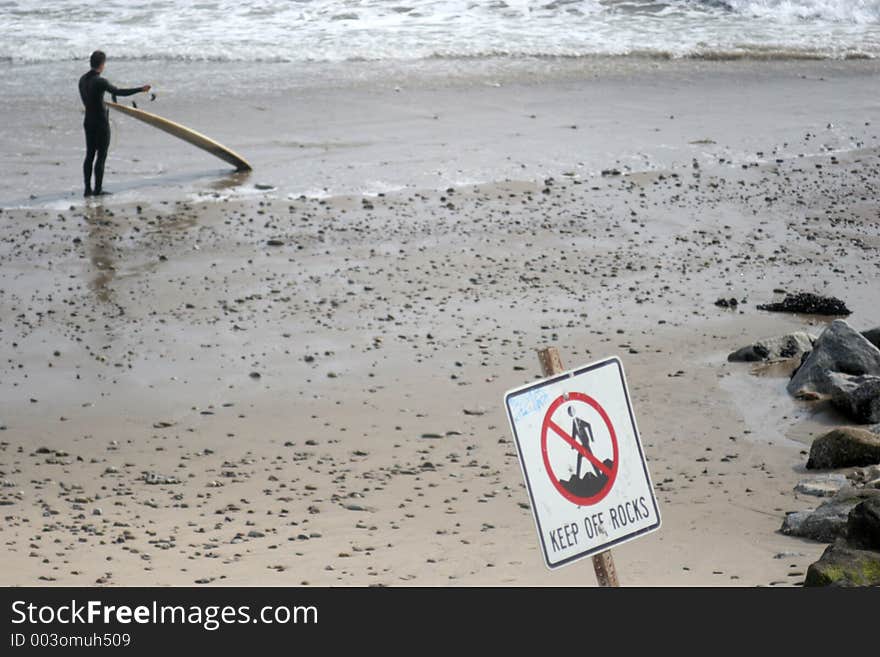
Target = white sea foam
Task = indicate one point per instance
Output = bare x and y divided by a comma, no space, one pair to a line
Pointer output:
339,30
860,12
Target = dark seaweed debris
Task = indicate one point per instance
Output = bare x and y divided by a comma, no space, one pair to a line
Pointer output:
807,302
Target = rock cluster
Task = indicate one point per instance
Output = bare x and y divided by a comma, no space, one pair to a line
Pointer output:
841,366
853,559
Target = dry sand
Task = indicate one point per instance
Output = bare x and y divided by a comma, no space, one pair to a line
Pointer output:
324,377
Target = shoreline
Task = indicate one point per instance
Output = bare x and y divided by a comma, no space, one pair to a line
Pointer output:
326,131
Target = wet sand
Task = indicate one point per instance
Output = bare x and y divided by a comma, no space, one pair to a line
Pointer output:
318,381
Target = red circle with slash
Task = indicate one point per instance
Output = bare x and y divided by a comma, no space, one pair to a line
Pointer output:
550,427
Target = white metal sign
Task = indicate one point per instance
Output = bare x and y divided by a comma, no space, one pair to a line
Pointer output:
582,461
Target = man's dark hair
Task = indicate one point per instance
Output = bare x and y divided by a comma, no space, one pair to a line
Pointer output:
98,57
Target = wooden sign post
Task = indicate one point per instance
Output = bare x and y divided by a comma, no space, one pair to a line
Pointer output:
603,563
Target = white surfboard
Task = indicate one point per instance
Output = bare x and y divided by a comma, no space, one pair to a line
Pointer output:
186,134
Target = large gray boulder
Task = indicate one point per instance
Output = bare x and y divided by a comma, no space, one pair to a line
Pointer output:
841,565
857,396
844,447
840,348
793,345
829,520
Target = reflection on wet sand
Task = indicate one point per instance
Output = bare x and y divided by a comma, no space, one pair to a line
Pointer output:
229,181
101,232
110,264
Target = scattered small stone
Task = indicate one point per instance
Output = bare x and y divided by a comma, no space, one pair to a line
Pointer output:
156,479
786,555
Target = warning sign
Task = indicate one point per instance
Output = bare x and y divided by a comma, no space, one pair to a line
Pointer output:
582,461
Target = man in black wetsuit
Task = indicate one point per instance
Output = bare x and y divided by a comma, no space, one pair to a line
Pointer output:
97,122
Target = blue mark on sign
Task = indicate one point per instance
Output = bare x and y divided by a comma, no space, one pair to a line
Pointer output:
526,403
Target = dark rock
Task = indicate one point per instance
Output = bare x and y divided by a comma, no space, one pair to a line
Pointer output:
727,303
785,346
829,520
839,348
807,302
841,565
863,525
844,447
873,336
857,396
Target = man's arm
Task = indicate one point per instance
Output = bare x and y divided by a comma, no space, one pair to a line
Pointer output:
116,91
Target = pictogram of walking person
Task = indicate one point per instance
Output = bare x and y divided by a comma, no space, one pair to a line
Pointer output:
582,432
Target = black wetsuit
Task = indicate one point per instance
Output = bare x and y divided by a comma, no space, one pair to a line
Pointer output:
92,88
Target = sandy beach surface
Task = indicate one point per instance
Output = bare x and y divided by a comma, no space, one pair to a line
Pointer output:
297,376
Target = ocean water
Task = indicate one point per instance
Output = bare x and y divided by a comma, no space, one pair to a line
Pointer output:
368,30
329,97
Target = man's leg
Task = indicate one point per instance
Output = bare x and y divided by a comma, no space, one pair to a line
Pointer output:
583,433
91,149
103,145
